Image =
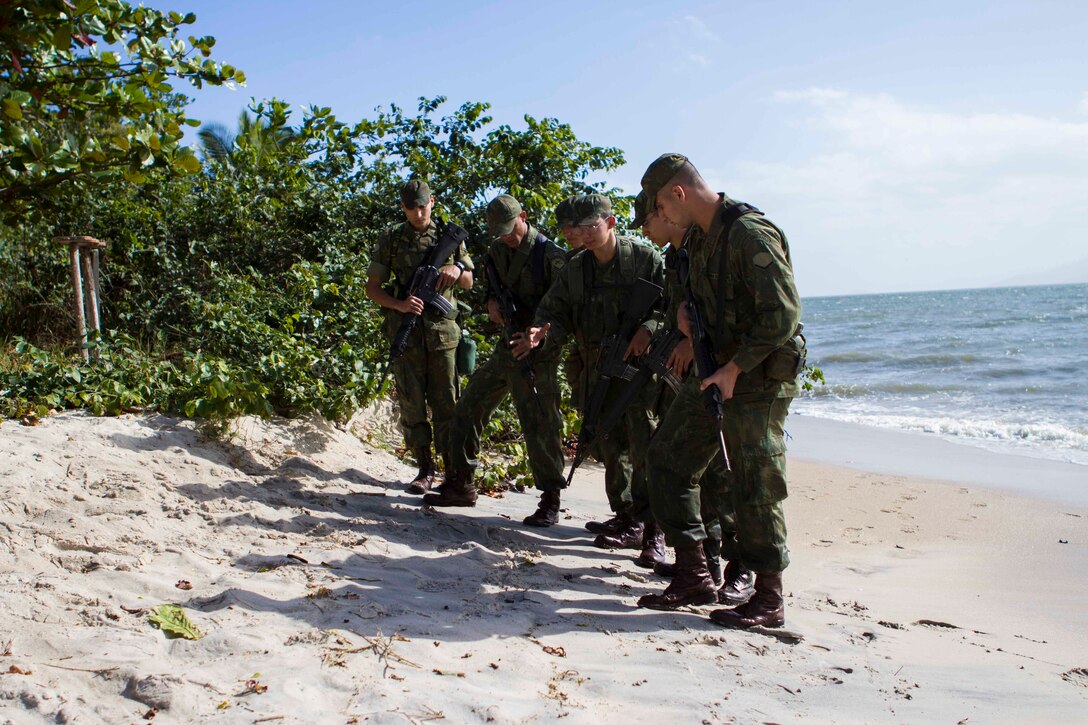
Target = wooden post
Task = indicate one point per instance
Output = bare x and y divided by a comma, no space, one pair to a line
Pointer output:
83,255
77,285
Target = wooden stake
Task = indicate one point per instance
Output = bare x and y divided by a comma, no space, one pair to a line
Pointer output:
77,286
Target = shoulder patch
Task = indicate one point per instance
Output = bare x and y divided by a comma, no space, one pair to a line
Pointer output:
762,260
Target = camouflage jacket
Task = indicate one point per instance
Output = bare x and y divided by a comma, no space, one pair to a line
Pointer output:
742,279
397,254
588,299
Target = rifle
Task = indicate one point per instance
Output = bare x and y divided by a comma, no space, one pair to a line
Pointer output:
611,365
422,285
508,311
705,364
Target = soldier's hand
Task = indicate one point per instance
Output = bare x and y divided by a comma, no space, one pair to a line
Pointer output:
725,379
681,357
493,312
639,342
413,305
523,343
447,277
682,320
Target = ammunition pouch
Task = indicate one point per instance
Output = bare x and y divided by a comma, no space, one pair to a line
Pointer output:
786,363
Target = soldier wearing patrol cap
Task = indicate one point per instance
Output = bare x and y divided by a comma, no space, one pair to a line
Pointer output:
426,374
526,263
741,278
587,302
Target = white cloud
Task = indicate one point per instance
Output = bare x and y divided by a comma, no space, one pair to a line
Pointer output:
907,197
1083,103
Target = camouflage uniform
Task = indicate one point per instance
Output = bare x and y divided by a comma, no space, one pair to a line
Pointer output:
426,373
752,315
503,374
591,312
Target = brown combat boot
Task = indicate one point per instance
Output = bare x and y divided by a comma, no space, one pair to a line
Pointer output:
629,536
764,609
456,491
425,478
691,585
653,547
610,527
739,585
665,569
547,511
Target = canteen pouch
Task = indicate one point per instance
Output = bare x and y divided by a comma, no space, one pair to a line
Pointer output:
786,363
466,354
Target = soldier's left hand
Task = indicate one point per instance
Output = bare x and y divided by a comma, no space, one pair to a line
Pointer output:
447,277
681,357
725,379
639,342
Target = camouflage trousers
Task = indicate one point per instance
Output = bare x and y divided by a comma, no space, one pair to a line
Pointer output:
623,452
715,507
426,375
686,445
541,423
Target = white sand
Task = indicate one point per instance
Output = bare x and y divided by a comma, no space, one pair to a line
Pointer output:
394,614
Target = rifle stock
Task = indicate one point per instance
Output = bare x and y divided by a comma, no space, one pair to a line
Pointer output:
508,311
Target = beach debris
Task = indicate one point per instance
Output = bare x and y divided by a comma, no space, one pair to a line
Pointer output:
890,625
184,584
449,673
29,419
172,620
253,686
1076,676
935,623
556,651
296,557
133,610
1063,541
16,670
150,714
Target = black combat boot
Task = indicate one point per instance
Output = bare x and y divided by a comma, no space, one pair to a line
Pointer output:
456,491
691,585
653,546
547,511
610,527
629,536
425,478
739,585
713,550
764,609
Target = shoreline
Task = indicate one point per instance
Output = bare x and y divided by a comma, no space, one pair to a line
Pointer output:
930,456
314,574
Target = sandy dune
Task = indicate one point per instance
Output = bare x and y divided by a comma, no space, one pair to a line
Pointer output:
328,596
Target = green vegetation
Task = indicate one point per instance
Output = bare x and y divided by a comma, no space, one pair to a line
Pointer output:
236,285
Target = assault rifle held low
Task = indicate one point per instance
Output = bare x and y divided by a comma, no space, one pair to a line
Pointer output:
508,311
611,365
422,285
705,364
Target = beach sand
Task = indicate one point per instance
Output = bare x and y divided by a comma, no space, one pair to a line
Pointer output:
327,595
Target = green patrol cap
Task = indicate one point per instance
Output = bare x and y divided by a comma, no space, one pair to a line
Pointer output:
660,171
642,210
501,213
564,212
415,192
588,207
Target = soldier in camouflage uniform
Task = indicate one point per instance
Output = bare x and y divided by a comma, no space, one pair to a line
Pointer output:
426,373
572,363
527,263
587,301
741,277
735,583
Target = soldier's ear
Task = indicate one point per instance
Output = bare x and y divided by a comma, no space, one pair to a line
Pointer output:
611,222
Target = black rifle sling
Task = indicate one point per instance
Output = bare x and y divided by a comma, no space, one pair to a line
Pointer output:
540,248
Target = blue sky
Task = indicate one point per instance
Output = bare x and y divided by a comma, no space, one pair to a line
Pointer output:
902,146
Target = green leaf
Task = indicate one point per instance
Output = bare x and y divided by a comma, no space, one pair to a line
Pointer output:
172,620
12,109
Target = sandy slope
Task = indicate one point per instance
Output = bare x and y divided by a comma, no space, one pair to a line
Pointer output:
315,575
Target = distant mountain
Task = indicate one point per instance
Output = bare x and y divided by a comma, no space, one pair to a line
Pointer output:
1069,273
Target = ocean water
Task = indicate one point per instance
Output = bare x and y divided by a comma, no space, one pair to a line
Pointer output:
1003,368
